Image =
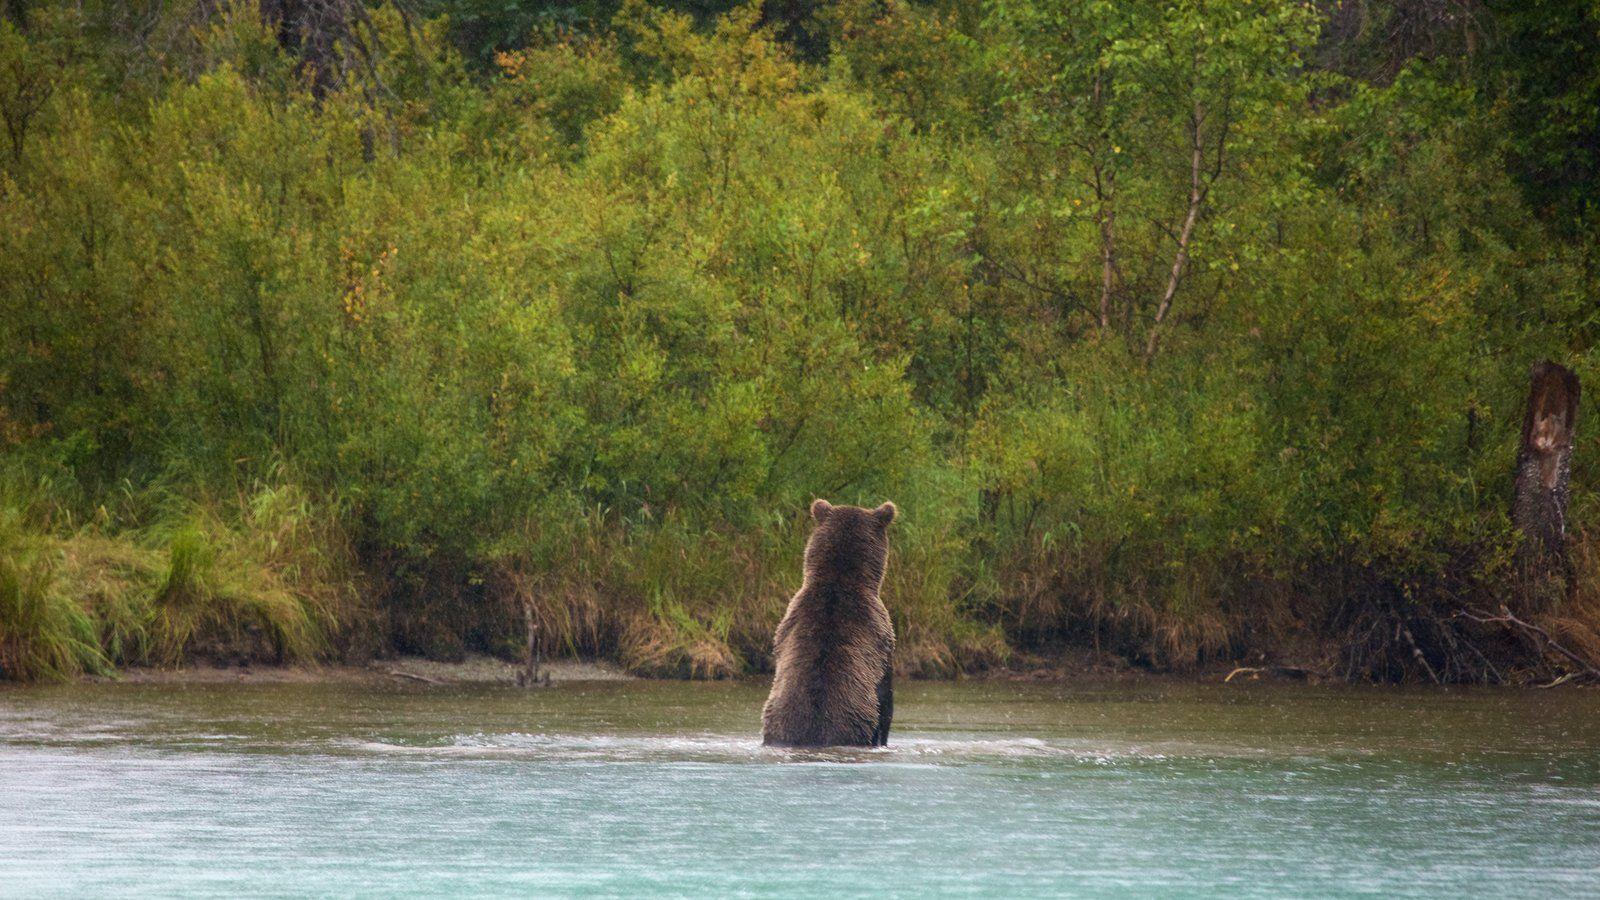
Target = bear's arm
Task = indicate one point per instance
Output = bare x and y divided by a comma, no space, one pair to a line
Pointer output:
785,625
880,738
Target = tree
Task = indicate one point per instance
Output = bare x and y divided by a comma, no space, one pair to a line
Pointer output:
1146,112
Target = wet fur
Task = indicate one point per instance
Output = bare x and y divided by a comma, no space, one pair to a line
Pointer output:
834,647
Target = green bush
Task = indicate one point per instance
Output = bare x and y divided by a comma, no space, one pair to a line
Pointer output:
1166,341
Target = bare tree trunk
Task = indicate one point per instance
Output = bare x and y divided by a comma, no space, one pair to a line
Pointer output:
1544,469
1197,196
1108,254
1105,192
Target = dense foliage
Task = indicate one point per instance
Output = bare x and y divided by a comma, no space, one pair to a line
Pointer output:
1188,332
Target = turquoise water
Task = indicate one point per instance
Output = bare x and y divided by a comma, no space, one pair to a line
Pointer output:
641,788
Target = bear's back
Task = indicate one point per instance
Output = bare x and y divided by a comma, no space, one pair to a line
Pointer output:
832,649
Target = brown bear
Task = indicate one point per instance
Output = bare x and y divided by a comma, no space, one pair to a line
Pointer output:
835,646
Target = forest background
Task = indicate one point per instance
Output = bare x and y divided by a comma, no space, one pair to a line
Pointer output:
1184,334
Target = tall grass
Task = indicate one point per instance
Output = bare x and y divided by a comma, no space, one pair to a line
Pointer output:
676,599
257,579
44,633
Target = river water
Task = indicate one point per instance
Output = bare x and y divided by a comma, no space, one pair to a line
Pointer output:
661,788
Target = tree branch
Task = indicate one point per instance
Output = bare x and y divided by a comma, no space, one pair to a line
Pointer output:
1509,620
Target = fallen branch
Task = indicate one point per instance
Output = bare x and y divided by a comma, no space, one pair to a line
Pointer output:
1499,679
415,677
1298,672
1559,681
1416,651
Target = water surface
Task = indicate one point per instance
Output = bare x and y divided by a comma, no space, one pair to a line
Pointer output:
650,788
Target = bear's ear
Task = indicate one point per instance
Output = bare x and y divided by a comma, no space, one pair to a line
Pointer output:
820,509
885,514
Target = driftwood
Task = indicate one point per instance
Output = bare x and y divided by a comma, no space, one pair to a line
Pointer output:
1296,672
415,677
1544,470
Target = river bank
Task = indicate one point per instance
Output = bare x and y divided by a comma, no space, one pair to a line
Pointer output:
474,670
480,670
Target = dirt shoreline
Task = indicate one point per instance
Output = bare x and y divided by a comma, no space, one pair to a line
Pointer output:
474,670
487,670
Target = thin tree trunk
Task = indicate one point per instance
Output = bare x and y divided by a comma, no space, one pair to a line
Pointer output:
1105,187
1108,253
1197,196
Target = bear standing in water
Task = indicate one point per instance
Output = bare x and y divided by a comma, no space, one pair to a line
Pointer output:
835,646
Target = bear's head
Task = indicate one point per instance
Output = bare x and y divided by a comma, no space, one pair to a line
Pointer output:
848,544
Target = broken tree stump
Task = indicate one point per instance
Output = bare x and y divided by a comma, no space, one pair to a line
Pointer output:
1544,468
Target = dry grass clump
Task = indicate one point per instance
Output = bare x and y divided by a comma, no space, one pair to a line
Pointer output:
664,600
1575,623
676,645
1177,620
669,599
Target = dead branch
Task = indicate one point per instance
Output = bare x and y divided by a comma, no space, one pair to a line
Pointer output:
1404,630
1416,652
1489,667
530,676
1507,619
